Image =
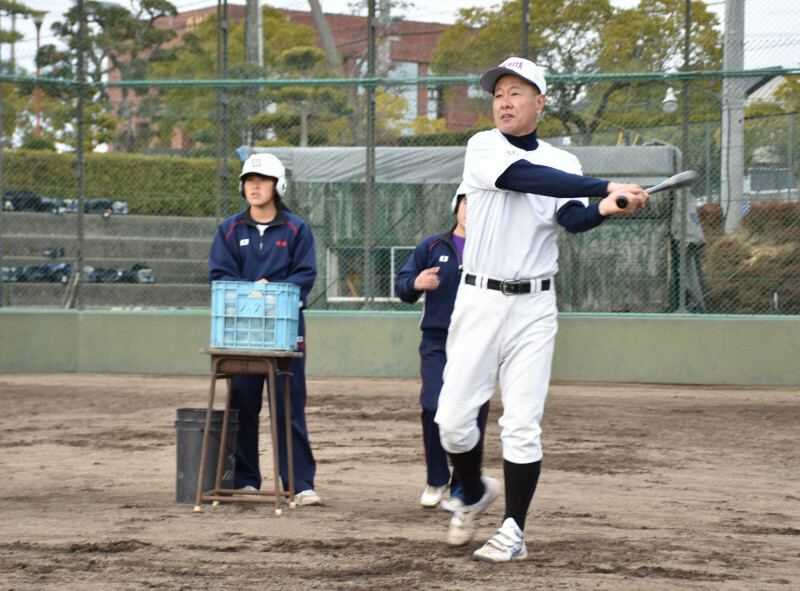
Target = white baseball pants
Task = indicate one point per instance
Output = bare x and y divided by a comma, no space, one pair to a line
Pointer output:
510,337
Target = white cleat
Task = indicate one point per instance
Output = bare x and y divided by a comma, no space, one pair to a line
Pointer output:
432,495
453,503
507,544
464,522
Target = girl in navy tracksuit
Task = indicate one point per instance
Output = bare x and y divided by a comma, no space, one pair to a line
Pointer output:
266,242
435,269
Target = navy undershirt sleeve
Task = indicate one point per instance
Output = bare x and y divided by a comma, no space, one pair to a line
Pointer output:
526,177
575,217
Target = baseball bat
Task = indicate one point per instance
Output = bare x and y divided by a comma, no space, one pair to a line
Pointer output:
683,179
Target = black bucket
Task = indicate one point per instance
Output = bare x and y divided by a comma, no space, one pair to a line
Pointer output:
190,425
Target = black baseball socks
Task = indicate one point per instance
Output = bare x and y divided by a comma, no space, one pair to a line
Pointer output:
467,466
521,481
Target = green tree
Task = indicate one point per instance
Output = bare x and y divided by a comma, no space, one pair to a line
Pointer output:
767,125
310,111
196,113
650,38
15,107
10,37
585,37
788,94
120,45
272,115
17,99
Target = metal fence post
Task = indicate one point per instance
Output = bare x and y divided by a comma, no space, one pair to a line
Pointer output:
684,194
2,204
789,161
81,161
369,290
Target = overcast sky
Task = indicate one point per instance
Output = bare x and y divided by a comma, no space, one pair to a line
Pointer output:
772,27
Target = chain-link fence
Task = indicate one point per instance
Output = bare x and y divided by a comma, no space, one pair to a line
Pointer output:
138,219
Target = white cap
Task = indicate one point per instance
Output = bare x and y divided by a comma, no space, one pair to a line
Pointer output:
517,66
462,190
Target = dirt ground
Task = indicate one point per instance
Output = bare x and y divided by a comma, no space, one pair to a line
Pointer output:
643,487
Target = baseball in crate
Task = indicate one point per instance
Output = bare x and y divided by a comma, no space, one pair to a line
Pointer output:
256,316
262,267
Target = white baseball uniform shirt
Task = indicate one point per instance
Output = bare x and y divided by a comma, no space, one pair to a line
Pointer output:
507,240
510,235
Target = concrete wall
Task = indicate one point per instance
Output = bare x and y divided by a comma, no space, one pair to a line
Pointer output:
750,350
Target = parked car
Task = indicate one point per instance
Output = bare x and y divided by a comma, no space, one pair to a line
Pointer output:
54,252
143,273
90,274
102,206
19,200
8,274
99,205
52,204
44,273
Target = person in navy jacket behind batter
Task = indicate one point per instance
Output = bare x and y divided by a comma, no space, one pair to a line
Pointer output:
267,242
435,270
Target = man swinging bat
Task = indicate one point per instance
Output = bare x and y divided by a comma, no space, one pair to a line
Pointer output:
520,190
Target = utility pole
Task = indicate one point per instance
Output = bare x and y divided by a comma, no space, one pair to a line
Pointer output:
38,20
732,160
13,68
254,42
335,64
326,37
526,25
383,39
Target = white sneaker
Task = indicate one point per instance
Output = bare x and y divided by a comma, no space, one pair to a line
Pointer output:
242,492
432,495
465,519
507,544
452,503
307,497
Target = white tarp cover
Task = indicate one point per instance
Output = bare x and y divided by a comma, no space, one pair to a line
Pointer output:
438,165
646,165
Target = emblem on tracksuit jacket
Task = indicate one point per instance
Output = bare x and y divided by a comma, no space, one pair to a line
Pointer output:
444,258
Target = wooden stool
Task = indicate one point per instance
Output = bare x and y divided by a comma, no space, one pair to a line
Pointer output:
226,363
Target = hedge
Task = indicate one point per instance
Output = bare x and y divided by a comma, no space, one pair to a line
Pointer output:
150,185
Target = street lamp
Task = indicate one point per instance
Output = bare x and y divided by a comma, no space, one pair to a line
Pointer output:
670,103
38,19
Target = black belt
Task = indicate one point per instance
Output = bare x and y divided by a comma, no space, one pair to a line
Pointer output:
509,286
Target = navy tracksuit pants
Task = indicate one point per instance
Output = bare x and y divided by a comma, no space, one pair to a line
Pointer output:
247,396
432,360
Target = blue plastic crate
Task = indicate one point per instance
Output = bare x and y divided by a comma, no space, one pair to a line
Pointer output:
257,316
